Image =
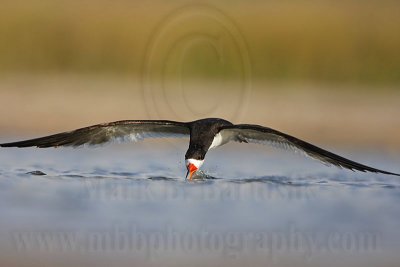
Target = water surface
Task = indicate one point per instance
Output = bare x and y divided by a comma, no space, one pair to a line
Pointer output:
130,204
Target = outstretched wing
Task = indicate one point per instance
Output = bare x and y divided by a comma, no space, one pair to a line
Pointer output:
128,130
263,135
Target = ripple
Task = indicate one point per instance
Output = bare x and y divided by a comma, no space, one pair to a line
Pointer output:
73,176
320,179
126,174
162,178
38,173
283,180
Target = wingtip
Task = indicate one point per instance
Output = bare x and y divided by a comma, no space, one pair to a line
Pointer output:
9,145
5,145
395,174
387,173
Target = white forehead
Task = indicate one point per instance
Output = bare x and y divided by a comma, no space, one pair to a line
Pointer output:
195,162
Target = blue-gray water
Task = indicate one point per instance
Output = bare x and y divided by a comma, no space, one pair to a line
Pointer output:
130,205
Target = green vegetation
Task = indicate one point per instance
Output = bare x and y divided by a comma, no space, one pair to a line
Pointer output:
328,41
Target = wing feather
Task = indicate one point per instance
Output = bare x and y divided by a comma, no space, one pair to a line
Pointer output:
120,131
263,135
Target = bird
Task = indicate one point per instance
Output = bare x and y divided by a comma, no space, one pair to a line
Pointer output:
204,134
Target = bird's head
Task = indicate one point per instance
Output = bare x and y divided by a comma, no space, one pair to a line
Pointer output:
192,166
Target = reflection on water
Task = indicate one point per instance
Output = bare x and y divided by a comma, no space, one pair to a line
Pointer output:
132,205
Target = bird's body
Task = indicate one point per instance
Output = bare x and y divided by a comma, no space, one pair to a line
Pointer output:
204,134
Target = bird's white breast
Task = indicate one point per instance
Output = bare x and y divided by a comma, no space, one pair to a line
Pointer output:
217,141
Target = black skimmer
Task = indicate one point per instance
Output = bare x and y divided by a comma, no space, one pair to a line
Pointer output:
204,134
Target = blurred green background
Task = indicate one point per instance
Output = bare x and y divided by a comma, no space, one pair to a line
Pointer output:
328,41
325,70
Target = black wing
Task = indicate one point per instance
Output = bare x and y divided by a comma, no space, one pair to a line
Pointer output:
128,130
264,135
